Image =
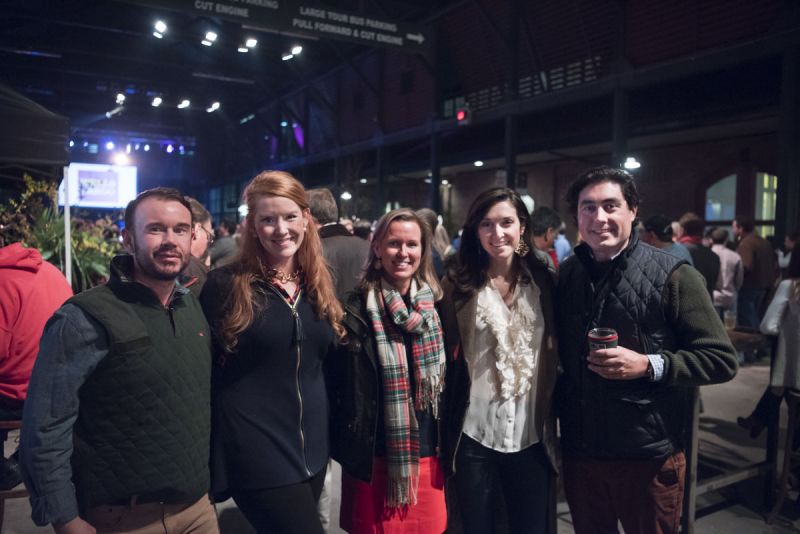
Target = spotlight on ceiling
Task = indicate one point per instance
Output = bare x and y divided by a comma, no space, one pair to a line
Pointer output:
478,163
297,50
147,148
160,26
158,35
346,196
170,148
211,36
206,42
184,104
284,124
242,50
251,43
287,57
213,107
631,163
120,158
128,149
71,143
363,180
445,182
156,101
120,98
110,145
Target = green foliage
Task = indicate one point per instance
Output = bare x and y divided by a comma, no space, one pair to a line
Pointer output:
34,220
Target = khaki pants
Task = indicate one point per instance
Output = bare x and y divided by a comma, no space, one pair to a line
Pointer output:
155,518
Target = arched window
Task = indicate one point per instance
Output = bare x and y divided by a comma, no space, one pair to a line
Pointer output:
721,200
760,188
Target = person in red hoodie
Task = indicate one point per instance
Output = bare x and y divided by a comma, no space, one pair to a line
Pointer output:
31,290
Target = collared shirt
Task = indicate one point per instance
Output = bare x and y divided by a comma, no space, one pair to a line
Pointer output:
731,275
72,346
505,425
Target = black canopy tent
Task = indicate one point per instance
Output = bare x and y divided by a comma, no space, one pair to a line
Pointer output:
32,138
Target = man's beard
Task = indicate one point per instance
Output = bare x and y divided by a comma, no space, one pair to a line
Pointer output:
147,265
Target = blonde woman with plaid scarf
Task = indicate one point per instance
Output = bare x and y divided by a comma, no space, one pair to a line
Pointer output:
385,385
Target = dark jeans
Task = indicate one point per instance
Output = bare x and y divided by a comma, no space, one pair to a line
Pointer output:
283,510
523,477
748,304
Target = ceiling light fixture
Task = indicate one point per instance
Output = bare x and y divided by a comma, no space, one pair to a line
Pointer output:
120,158
287,57
206,42
297,50
120,98
478,163
213,107
251,43
363,180
110,145
160,26
184,104
147,148
243,50
170,148
156,101
631,163
158,35
346,196
211,36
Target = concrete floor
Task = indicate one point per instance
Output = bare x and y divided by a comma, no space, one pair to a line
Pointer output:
735,509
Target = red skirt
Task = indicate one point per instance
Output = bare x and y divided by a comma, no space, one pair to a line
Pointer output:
363,508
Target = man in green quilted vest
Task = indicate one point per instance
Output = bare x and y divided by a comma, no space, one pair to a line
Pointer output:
116,427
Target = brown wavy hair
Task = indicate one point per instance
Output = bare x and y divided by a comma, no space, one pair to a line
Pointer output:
242,303
425,273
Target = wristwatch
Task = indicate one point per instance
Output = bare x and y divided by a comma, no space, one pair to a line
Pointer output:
651,373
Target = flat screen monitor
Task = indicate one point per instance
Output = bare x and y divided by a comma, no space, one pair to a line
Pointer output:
99,186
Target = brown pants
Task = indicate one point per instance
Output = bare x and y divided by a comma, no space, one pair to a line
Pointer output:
645,496
155,518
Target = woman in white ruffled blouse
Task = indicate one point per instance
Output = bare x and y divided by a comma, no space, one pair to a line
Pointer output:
498,427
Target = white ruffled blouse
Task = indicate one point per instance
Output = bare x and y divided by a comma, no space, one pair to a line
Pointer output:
503,367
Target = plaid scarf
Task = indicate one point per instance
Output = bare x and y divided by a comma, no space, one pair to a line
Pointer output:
391,317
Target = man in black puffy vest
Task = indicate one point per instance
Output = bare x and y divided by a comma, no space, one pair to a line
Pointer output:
622,409
115,434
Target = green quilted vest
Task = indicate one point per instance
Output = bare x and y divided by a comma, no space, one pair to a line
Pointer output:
144,420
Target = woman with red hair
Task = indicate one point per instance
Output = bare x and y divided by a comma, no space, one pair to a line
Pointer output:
274,317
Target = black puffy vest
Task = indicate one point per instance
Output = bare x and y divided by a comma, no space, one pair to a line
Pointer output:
617,419
144,421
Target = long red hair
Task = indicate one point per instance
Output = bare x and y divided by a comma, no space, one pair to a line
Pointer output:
242,303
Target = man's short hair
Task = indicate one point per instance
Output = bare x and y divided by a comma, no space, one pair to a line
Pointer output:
719,236
199,212
745,222
543,219
322,205
692,224
603,174
161,193
660,226
229,226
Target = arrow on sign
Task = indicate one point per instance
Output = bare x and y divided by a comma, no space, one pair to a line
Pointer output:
418,37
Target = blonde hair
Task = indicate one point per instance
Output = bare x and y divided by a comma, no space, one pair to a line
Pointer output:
425,273
241,305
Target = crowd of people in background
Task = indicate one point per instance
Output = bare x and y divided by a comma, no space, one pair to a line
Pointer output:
235,361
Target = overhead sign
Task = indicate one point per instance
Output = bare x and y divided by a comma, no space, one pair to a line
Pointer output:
304,18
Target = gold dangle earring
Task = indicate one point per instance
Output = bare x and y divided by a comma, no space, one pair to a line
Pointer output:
522,249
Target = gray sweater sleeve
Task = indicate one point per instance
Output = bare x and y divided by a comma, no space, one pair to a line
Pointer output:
705,354
71,347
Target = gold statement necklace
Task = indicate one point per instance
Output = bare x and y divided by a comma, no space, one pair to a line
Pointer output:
280,276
